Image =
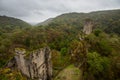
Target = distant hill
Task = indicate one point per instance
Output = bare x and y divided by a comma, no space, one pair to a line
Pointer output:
46,22
12,23
108,20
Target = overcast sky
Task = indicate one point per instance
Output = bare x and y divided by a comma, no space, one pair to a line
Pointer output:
34,11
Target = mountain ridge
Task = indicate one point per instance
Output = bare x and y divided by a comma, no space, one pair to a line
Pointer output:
11,22
106,20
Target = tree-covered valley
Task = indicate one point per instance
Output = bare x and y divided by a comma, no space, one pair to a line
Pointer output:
74,54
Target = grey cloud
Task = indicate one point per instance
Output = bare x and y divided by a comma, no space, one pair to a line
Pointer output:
39,10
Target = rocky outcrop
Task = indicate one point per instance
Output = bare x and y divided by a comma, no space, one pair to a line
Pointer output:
35,66
88,25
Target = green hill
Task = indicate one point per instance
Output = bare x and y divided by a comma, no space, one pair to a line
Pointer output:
9,23
69,73
45,22
108,20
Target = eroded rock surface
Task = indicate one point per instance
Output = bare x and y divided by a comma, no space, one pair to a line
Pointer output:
35,66
88,25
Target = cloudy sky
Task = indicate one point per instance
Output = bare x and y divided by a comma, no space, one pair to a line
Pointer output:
34,11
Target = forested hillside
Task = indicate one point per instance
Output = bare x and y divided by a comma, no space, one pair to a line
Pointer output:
8,24
94,56
8,27
106,20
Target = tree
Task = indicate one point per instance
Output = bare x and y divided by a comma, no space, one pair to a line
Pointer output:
97,65
63,51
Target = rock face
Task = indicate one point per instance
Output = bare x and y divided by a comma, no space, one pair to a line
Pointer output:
36,66
88,26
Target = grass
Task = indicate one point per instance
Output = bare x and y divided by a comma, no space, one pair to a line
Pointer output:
69,73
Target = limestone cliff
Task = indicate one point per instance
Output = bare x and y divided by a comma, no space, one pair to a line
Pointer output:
88,25
36,66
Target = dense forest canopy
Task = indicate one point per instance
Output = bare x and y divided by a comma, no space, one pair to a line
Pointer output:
105,20
97,55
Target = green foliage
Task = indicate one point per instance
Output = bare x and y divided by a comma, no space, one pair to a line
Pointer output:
8,74
97,32
101,43
105,20
7,24
27,42
96,63
98,66
104,46
63,51
61,35
59,61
